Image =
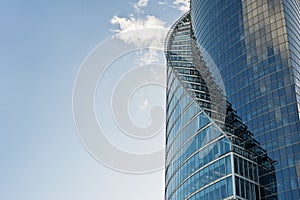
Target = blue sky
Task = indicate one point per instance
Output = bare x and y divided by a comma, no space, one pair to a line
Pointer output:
43,44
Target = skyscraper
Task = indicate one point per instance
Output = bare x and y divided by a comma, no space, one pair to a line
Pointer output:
232,101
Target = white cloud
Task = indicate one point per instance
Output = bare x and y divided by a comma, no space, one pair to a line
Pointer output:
146,31
132,23
182,5
141,32
140,4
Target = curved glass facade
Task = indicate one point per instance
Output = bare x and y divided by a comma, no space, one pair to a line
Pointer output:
196,147
210,154
256,47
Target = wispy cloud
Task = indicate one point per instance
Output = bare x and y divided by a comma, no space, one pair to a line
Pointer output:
182,5
144,105
141,32
143,35
162,3
140,4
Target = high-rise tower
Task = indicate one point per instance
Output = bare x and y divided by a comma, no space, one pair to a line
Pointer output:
232,101
209,150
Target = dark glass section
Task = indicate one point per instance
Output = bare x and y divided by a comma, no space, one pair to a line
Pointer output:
255,46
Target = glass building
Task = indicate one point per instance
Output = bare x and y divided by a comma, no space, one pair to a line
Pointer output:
233,101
